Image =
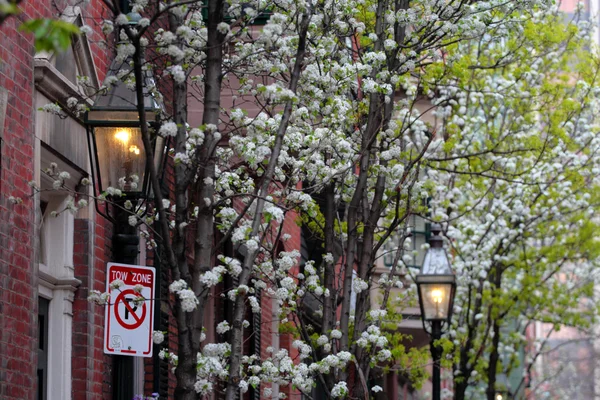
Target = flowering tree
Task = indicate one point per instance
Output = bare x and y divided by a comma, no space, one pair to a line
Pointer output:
517,184
327,123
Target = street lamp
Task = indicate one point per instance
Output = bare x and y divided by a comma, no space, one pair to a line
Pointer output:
436,286
118,160
115,143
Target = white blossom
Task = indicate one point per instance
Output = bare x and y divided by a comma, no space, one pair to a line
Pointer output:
132,220
168,129
223,28
158,337
177,286
86,30
358,285
189,301
117,284
122,19
223,327
376,389
340,390
107,27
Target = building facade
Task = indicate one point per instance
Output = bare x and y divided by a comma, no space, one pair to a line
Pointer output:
51,337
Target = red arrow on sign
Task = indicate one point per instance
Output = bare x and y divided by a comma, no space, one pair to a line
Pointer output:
128,309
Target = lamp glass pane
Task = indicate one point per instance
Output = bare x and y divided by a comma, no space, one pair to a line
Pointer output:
121,155
436,300
436,262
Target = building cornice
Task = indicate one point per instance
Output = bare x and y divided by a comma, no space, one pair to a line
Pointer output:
54,283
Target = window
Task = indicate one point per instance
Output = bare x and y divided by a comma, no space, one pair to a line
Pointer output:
420,231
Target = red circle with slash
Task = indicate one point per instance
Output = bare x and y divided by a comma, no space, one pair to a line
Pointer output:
138,320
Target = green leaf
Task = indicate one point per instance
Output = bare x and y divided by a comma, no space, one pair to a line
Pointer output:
8,9
50,34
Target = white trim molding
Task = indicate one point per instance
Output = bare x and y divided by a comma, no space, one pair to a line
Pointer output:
58,284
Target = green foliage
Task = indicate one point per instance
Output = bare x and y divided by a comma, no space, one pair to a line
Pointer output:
50,34
8,9
288,327
406,360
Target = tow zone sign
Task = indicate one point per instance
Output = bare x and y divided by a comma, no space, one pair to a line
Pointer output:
128,326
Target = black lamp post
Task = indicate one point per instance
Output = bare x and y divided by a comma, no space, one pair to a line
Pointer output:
118,160
436,287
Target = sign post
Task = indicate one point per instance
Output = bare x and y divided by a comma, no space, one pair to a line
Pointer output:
129,321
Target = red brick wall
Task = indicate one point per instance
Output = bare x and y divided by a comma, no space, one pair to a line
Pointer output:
18,276
17,315
18,298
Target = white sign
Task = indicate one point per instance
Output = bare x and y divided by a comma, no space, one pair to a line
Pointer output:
129,321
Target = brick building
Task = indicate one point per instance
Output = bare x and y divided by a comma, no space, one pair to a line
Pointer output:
51,342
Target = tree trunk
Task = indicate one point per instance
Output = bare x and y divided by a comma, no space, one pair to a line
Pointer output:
493,365
494,355
240,301
460,389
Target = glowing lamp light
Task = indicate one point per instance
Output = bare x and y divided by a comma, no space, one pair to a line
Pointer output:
135,150
436,295
123,136
503,393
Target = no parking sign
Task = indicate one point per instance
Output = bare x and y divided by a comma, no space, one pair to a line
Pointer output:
129,318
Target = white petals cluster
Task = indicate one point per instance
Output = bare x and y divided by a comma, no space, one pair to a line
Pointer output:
187,297
372,337
117,284
336,334
168,129
122,19
177,72
99,298
223,327
359,285
158,337
254,304
340,390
